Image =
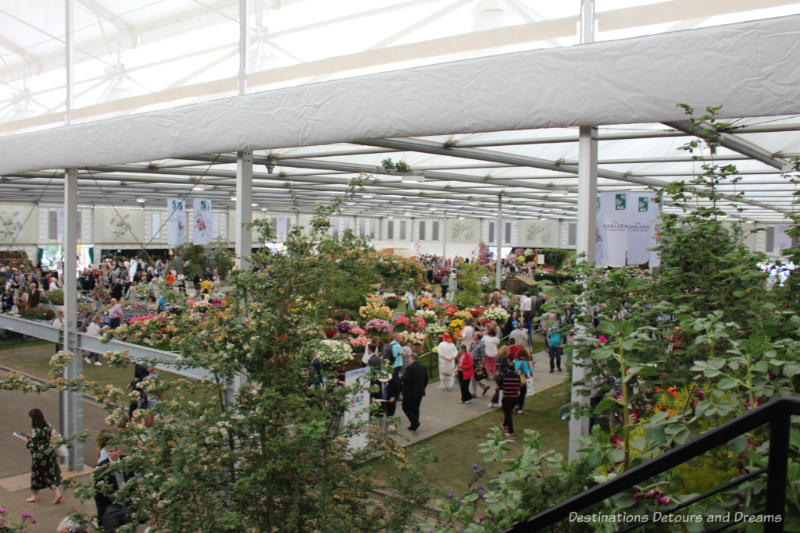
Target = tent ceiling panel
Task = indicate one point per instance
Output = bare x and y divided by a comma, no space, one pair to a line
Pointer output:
707,66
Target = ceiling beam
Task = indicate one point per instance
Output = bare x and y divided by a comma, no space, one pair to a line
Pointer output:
430,147
732,142
106,14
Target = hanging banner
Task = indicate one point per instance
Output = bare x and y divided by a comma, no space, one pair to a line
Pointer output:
626,229
281,228
641,226
176,222
202,221
613,214
782,240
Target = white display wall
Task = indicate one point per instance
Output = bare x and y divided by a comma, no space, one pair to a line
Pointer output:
29,226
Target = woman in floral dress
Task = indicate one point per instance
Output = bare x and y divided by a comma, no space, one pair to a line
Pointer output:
45,472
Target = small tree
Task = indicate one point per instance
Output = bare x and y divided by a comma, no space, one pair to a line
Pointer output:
277,456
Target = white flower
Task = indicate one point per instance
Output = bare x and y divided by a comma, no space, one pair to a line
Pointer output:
498,314
334,352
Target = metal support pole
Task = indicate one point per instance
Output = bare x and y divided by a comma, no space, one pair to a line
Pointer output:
244,209
587,193
244,46
444,237
586,229
68,60
71,402
776,469
243,235
498,233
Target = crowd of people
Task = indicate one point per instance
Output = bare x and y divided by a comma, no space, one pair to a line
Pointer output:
103,291
486,357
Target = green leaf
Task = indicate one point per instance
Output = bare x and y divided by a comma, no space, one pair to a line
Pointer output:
657,434
639,443
624,500
616,455
727,383
605,404
791,369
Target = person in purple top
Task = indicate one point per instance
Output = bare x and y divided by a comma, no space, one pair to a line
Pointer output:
114,314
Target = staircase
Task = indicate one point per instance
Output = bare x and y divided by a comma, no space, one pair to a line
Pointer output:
777,414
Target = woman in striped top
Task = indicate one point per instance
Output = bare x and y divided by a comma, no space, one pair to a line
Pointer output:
509,383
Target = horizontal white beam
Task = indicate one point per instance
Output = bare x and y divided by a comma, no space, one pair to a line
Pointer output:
136,352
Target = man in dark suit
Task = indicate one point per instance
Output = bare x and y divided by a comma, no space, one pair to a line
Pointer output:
414,381
110,515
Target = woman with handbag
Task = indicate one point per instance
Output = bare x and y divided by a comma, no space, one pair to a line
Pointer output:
45,472
466,370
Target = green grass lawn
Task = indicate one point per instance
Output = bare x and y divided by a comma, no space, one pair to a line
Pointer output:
33,358
457,448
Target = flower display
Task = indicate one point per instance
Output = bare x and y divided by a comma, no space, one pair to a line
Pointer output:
379,326
361,340
392,302
142,290
375,309
465,314
346,326
401,322
435,329
334,353
427,314
416,337
498,314
425,302
455,327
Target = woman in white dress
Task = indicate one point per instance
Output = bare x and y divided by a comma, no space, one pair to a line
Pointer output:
447,352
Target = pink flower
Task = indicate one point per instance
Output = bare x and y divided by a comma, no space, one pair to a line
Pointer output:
380,326
359,341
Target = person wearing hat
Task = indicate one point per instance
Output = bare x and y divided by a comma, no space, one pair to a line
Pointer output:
447,362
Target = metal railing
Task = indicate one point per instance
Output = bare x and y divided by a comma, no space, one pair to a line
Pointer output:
776,413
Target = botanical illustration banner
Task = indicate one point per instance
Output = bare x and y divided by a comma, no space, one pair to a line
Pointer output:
466,230
118,225
18,224
538,233
202,221
176,221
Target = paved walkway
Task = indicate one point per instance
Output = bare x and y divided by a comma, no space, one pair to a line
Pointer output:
15,460
440,409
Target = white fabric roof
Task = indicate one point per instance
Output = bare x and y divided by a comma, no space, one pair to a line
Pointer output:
629,86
